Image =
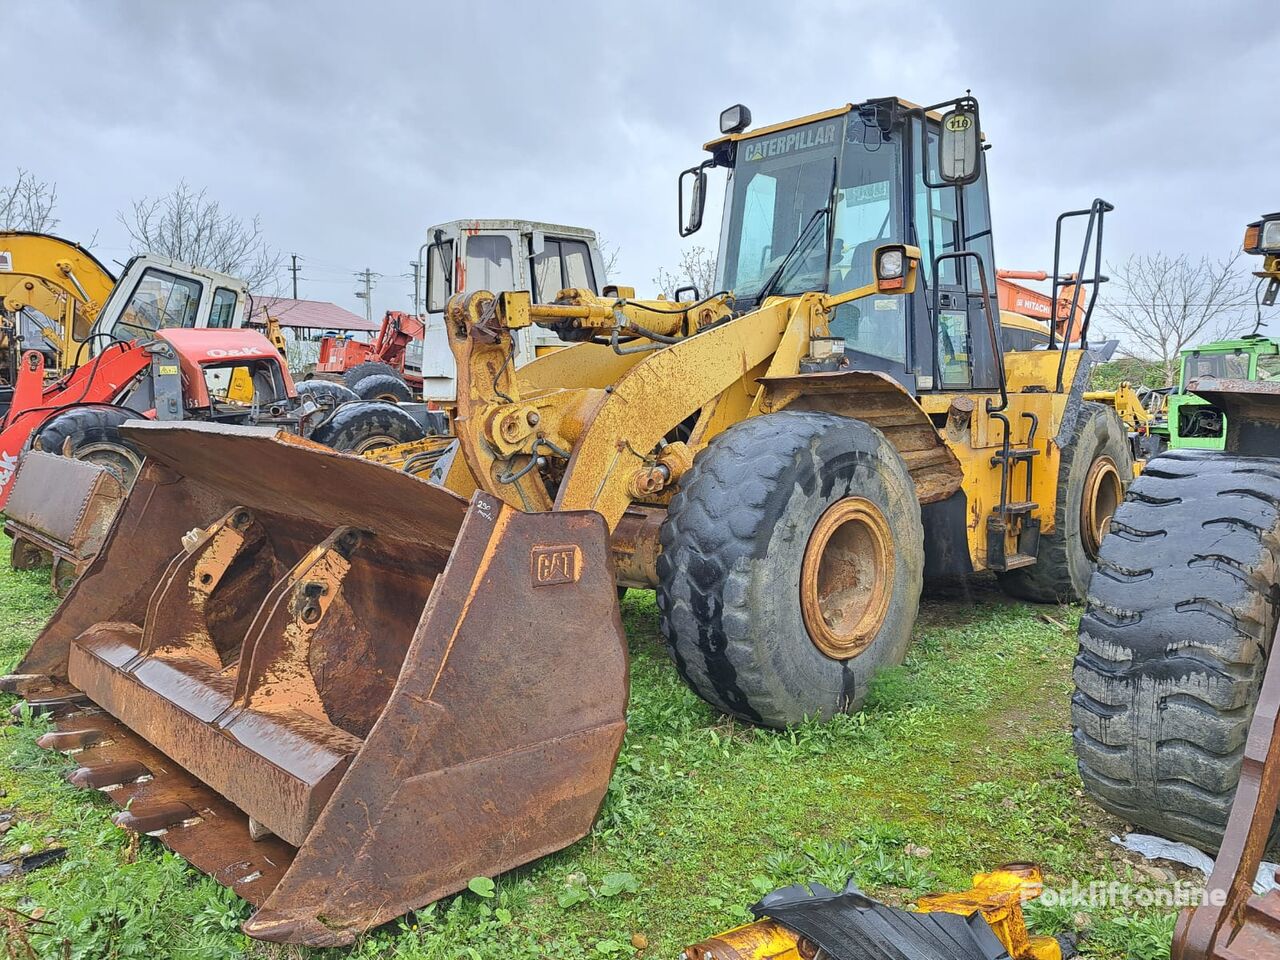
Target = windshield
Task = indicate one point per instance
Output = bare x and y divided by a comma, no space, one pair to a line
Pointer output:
780,190
1224,366
779,183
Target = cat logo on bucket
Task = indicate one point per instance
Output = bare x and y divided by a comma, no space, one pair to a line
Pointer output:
555,564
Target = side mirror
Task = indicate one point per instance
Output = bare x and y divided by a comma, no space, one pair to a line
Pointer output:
691,222
960,146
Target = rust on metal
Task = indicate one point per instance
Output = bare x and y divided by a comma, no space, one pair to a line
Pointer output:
636,547
350,690
876,399
1103,491
1236,924
846,577
59,512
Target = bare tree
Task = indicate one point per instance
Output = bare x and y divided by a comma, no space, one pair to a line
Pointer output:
27,204
186,225
697,267
609,252
1159,304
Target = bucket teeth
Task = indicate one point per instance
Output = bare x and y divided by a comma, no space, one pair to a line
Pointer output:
157,815
111,774
402,691
55,707
70,741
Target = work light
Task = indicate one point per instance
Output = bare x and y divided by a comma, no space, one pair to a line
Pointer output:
736,119
890,264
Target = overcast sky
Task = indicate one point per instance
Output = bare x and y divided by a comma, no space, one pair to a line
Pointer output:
351,127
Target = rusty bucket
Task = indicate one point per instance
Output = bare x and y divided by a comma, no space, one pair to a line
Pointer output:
337,689
58,512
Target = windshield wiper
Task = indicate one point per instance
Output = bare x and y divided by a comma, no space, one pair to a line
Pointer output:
800,243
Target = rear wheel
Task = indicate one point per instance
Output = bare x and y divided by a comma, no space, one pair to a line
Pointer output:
92,434
1094,468
369,368
1174,641
791,566
364,426
325,392
384,386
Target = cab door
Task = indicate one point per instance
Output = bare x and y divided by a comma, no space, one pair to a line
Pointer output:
949,221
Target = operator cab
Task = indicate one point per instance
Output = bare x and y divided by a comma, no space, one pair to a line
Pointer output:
808,202
156,293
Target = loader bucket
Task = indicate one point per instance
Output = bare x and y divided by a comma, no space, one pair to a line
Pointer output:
337,689
59,511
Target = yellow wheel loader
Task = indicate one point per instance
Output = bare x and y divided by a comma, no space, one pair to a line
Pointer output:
344,691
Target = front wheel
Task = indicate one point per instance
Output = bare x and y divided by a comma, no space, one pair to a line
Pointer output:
791,566
92,434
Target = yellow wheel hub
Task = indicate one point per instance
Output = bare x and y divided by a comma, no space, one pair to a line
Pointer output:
846,578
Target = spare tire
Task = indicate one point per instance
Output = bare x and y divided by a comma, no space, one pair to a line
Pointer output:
367,425
384,386
92,434
1175,639
367,369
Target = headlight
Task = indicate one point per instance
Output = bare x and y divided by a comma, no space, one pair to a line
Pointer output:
890,265
1271,236
736,119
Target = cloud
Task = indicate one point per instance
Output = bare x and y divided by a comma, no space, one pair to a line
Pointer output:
352,127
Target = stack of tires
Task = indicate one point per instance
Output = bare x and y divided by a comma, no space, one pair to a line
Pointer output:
373,380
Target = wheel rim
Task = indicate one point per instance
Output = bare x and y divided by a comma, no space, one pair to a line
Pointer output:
846,578
388,397
369,444
1103,492
118,460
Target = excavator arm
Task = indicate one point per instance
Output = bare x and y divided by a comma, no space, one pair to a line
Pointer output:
60,279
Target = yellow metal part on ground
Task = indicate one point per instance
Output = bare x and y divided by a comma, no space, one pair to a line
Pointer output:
59,279
997,895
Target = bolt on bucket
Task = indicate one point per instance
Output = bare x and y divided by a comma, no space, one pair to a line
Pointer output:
337,689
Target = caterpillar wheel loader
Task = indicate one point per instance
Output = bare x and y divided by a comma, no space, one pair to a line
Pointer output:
1176,711
346,691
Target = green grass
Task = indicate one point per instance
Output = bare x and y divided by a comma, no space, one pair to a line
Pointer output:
964,751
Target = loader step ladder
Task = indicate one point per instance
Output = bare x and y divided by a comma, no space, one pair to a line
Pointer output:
1014,519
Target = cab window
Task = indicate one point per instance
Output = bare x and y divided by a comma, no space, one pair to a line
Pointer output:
562,264
439,275
489,264
161,299
223,311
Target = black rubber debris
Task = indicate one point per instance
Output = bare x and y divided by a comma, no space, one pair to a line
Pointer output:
20,865
850,926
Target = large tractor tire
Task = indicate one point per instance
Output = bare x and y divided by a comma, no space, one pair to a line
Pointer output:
1095,467
791,566
92,434
370,368
1174,641
328,394
384,386
367,425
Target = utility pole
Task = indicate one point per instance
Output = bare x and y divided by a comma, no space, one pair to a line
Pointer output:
417,276
367,276
294,270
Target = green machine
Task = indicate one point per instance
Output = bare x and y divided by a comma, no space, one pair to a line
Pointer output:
1194,423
